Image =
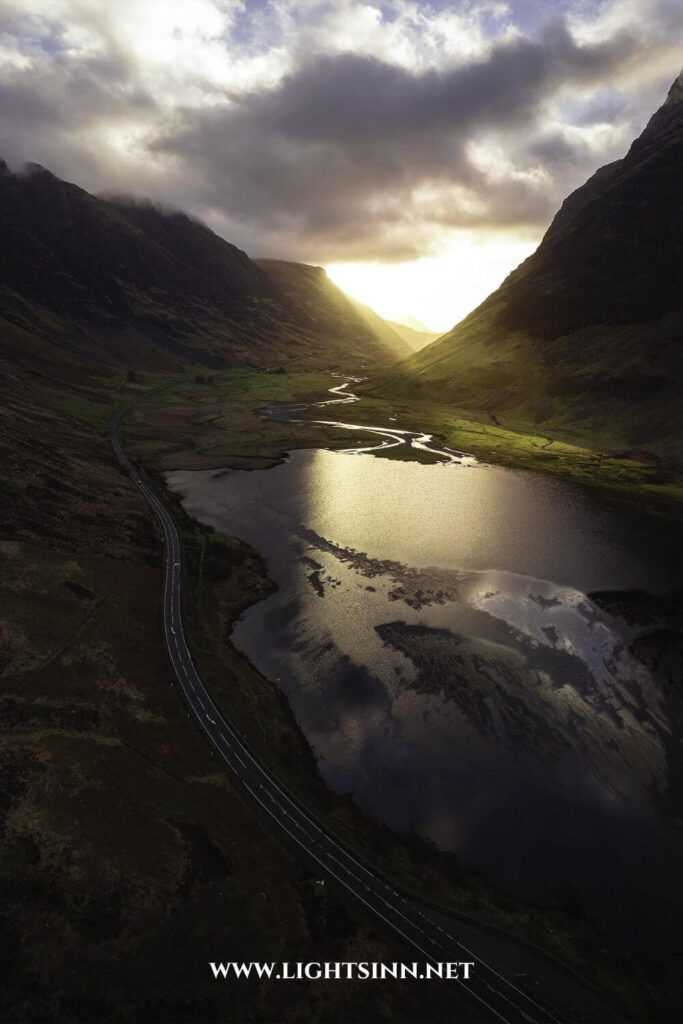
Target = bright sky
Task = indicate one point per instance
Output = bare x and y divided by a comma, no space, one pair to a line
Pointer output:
439,290
417,150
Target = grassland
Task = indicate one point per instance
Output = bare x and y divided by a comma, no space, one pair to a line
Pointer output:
602,391
128,860
620,475
122,832
201,425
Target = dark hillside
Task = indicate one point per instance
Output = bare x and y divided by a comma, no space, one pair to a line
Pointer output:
123,282
585,337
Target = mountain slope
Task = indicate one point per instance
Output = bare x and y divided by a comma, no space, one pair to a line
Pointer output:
392,337
584,336
414,338
122,282
325,308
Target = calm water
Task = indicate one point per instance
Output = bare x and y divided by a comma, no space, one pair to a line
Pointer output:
438,634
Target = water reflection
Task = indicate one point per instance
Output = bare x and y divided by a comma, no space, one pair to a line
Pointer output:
453,643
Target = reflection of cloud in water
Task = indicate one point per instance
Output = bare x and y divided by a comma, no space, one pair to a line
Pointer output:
534,668
497,712
565,620
616,695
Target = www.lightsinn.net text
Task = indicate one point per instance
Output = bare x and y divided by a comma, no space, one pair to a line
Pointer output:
346,970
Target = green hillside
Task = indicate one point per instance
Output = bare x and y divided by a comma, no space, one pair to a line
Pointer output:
583,340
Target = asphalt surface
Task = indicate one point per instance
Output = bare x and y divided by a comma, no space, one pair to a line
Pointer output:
502,995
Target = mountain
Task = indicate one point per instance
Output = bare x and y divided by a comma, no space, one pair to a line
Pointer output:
392,338
415,338
584,337
328,309
122,282
119,832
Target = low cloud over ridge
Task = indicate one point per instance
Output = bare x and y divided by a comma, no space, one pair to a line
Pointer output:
330,131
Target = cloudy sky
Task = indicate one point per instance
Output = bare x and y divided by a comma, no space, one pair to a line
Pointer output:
418,150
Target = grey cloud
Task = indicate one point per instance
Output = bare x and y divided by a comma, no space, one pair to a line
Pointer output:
75,92
334,154
606,106
553,150
335,161
350,97
53,113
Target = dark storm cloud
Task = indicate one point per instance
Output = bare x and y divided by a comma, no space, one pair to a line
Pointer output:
53,115
348,156
335,153
553,150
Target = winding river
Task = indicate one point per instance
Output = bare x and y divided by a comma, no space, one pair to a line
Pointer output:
468,649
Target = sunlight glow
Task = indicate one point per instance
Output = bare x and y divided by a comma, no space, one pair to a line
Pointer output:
437,290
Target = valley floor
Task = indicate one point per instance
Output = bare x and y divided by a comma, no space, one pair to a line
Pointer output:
102,756
621,475
226,430
128,859
219,418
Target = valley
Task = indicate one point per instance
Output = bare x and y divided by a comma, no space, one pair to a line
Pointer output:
270,431
582,341
432,584
202,421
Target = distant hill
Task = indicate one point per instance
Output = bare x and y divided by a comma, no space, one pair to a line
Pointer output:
122,282
414,338
394,341
585,336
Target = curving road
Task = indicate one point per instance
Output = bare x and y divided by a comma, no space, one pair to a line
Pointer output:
434,934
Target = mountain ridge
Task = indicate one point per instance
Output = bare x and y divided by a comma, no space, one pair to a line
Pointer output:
584,337
122,281
307,284
414,337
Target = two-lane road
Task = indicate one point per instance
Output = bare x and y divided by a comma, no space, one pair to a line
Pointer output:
434,935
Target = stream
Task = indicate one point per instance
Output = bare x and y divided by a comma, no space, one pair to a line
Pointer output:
475,654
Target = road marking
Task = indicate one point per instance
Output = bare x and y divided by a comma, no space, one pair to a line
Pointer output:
374,909
171,589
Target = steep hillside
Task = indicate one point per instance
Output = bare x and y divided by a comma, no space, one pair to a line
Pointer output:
415,339
327,310
585,336
121,282
392,338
